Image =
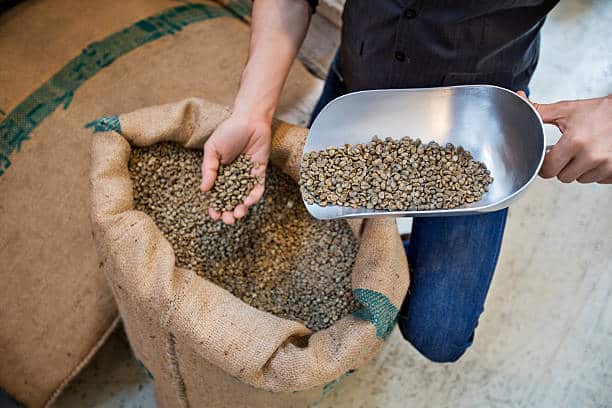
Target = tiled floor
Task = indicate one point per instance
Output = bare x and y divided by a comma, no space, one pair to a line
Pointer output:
545,339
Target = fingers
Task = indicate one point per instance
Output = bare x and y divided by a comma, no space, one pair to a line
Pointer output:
228,218
240,211
210,166
583,152
558,157
551,112
575,158
599,174
214,214
606,181
254,196
578,166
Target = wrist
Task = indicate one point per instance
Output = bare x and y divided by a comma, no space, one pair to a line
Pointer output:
252,112
257,96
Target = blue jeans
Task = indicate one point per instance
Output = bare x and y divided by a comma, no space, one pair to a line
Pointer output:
452,260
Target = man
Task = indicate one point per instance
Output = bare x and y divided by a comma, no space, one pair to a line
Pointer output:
414,44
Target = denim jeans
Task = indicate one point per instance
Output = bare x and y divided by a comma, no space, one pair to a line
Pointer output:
452,260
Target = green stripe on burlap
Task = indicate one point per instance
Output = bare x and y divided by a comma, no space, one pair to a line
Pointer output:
377,309
17,126
146,370
105,124
242,8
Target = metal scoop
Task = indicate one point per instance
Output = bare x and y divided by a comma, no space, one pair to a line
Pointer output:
497,126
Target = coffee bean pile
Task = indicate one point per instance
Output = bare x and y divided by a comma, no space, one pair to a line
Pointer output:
233,184
393,175
277,258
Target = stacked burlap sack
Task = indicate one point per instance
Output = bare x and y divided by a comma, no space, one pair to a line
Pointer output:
65,63
203,346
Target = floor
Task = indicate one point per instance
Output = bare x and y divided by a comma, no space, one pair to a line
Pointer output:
545,339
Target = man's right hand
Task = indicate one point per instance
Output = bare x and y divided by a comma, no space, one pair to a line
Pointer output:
584,152
235,136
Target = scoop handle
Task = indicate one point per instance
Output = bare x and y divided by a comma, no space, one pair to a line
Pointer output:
549,147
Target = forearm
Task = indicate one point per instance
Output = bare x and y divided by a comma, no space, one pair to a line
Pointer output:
278,29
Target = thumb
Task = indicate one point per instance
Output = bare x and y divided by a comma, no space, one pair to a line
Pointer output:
210,166
551,112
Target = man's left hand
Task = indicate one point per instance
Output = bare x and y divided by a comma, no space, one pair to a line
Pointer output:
584,151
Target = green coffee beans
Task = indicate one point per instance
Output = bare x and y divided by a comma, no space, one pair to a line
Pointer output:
277,259
233,184
393,175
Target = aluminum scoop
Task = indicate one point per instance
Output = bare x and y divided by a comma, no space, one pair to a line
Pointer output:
496,125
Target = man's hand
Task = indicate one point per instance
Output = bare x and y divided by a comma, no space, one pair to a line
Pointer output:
584,152
233,137
278,29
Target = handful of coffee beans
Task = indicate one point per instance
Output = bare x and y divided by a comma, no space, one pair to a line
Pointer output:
233,184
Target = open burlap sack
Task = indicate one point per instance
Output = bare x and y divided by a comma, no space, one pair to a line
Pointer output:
203,346
64,63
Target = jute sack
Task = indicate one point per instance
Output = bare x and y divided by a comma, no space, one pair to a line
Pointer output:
203,346
65,63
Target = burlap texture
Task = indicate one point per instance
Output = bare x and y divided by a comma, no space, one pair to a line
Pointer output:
65,63
204,346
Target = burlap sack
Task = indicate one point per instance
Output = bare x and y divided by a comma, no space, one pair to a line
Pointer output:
65,63
203,346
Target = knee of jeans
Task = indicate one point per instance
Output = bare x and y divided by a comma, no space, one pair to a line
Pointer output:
437,343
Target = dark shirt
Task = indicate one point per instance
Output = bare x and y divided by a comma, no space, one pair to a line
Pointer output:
313,4
425,43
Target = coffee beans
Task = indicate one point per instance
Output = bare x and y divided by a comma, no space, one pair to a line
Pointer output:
393,175
277,259
233,184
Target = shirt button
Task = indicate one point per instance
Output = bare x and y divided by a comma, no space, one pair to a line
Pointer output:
410,13
400,56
